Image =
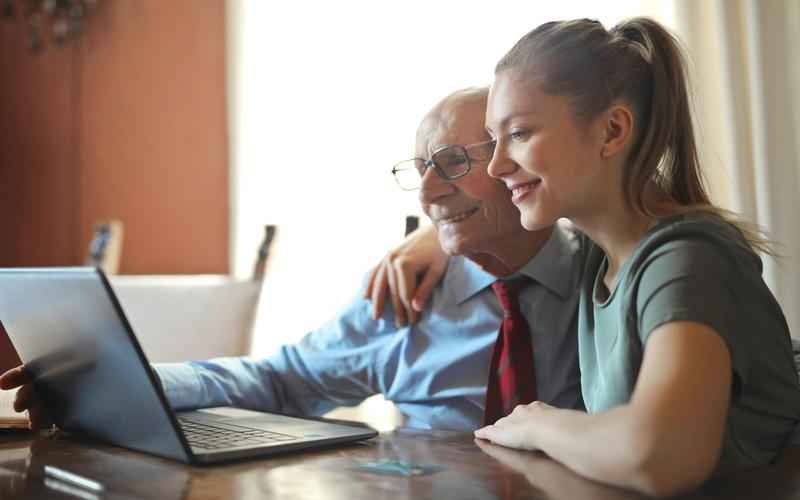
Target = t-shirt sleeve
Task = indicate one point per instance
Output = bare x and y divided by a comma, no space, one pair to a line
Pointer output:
691,280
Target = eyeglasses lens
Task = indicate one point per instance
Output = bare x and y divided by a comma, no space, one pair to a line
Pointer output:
409,174
482,151
453,161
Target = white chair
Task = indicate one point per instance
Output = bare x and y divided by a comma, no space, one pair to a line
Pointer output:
182,318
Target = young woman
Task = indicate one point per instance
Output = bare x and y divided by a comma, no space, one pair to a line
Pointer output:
685,355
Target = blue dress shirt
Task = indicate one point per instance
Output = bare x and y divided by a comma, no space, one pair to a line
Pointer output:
434,371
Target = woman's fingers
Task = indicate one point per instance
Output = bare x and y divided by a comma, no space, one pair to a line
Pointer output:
511,435
378,285
406,275
514,430
419,256
430,279
397,305
371,281
396,277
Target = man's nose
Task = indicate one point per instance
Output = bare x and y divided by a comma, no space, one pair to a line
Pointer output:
433,186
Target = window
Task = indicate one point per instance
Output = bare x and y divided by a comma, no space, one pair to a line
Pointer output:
324,98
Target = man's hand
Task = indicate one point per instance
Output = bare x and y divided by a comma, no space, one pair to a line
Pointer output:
27,399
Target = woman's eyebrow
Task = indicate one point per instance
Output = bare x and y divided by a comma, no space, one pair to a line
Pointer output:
508,118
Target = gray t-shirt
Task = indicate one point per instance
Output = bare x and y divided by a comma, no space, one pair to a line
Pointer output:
698,268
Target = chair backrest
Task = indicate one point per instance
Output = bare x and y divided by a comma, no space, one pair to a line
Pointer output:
182,318
412,223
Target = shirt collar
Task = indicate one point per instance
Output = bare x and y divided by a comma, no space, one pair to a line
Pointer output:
464,279
554,267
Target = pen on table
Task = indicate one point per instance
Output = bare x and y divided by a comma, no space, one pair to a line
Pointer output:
69,477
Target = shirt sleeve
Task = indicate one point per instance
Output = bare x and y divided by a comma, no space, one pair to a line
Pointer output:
691,280
332,366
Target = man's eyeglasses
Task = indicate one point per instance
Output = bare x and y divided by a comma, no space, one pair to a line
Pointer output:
449,163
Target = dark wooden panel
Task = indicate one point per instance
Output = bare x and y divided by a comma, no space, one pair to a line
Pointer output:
154,141
37,160
128,122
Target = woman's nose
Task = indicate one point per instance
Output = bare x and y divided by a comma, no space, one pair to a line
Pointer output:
500,165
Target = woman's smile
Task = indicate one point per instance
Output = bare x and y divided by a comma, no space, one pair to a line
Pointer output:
522,190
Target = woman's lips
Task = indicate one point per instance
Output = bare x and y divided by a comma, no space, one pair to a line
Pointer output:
523,190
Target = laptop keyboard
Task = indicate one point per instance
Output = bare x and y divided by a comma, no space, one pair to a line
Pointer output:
218,435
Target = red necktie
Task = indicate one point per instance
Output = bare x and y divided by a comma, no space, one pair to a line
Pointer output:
512,380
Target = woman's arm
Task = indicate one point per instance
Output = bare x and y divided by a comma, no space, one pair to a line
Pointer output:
667,439
408,273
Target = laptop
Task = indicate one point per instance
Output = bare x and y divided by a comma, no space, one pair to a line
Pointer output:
70,330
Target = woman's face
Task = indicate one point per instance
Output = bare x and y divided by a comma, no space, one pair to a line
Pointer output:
547,159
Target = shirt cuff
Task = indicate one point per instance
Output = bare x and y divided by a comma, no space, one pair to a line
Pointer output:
181,385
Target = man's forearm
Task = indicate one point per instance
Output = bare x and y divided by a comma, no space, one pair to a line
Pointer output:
218,382
290,387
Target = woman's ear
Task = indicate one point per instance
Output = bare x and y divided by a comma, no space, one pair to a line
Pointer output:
618,130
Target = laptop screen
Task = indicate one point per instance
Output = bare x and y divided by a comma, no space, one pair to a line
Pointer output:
72,335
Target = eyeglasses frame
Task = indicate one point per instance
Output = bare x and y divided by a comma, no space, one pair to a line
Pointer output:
436,168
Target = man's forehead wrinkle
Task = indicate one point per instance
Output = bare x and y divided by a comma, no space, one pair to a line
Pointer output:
440,132
461,107
438,124
430,125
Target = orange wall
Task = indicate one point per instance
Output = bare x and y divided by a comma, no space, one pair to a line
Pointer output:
37,176
127,122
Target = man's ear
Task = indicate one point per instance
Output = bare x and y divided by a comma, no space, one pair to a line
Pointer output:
618,129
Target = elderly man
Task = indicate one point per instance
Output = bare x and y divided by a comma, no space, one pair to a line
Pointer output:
445,370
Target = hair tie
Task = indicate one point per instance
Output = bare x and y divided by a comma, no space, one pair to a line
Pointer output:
637,40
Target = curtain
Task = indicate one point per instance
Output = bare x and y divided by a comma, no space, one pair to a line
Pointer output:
746,78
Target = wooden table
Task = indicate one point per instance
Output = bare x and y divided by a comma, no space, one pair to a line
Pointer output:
473,470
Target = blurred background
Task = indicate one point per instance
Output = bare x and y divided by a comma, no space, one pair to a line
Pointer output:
197,122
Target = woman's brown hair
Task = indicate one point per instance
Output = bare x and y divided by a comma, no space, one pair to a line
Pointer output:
642,64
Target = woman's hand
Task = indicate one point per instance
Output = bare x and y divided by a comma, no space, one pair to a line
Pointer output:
409,274
27,398
514,430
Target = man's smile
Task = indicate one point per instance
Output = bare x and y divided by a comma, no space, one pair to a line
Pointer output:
457,217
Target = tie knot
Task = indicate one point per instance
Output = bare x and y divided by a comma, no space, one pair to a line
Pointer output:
507,292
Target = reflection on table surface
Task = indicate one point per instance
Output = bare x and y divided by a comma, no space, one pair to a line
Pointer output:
469,469
121,473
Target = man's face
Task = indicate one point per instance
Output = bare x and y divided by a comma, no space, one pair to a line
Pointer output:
474,213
